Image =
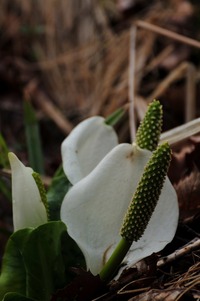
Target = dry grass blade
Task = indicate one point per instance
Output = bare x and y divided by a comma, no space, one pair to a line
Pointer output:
132,121
181,132
188,281
168,33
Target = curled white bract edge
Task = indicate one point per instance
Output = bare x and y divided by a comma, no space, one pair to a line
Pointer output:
28,209
86,146
94,208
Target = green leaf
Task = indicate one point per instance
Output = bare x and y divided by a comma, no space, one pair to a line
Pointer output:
55,195
13,275
33,138
42,255
48,254
115,117
36,262
3,153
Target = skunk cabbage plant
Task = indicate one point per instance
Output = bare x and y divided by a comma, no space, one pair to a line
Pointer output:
105,176
120,206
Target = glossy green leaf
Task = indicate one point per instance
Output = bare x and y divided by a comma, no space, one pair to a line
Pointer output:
13,274
33,138
43,259
36,262
55,195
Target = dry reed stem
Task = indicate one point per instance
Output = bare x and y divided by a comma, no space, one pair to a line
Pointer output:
168,33
132,122
110,74
143,53
181,132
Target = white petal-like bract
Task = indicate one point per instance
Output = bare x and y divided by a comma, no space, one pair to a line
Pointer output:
161,228
86,146
28,209
94,208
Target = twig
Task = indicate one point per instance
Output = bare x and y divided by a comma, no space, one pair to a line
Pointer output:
132,83
168,33
194,244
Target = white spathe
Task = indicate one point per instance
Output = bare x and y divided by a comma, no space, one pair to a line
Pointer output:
86,146
94,208
28,209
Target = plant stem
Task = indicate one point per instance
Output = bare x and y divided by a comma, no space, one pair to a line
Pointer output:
115,260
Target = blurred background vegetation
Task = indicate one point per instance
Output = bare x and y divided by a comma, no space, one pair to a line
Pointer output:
71,60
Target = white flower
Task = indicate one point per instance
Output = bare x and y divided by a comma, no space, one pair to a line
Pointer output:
28,209
94,208
86,146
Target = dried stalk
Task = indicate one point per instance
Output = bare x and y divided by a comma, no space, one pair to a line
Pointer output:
168,33
132,122
181,132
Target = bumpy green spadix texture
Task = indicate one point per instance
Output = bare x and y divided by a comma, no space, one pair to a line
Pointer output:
148,133
147,194
42,191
